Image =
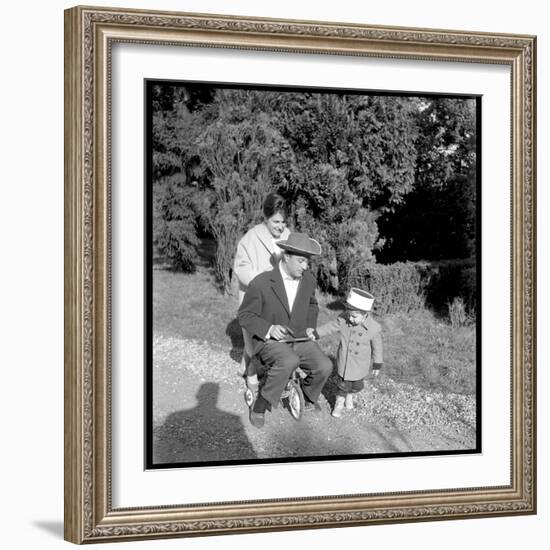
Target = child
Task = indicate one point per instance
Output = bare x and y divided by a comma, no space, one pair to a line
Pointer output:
360,342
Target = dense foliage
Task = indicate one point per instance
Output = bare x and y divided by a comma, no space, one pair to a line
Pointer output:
410,286
373,178
443,198
174,227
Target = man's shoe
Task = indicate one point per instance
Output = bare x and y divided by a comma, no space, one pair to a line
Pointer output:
349,401
309,406
312,407
257,419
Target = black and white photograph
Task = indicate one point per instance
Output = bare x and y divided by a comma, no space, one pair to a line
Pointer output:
312,274
300,275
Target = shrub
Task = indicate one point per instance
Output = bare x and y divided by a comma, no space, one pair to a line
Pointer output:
409,286
452,279
353,157
227,211
243,155
174,229
397,287
457,313
347,234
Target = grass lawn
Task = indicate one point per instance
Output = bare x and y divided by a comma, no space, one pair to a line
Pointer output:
419,349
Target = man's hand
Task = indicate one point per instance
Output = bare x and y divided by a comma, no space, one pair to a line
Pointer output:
278,332
310,332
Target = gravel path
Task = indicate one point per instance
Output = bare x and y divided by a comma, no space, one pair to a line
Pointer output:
199,414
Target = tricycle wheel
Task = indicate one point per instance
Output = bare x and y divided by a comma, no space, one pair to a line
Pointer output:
295,399
249,397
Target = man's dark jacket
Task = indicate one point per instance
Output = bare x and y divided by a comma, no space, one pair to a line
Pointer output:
265,304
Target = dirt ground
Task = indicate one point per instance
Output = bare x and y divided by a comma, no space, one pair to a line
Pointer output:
199,415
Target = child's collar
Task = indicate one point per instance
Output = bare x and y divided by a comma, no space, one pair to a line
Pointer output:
365,321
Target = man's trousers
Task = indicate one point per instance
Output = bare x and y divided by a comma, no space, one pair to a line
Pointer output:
282,359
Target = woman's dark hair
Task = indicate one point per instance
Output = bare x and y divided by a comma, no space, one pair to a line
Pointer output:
274,203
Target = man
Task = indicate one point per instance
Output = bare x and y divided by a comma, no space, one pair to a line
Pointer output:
281,304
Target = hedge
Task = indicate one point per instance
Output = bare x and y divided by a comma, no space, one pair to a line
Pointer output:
411,286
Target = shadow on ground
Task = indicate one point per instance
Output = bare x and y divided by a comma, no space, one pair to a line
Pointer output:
202,434
235,333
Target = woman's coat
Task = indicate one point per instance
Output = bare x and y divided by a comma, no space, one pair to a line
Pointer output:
256,253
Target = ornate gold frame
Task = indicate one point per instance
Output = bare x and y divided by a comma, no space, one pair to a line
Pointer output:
89,33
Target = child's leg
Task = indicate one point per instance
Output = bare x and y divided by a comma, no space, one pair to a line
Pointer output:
342,389
338,406
356,387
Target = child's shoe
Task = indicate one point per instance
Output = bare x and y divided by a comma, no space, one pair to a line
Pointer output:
349,401
338,406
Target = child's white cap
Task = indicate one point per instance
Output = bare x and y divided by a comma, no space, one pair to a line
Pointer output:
360,299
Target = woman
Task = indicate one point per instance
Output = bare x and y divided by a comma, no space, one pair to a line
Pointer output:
257,252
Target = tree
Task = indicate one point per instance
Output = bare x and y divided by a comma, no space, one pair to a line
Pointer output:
243,154
437,218
368,176
354,159
174,225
